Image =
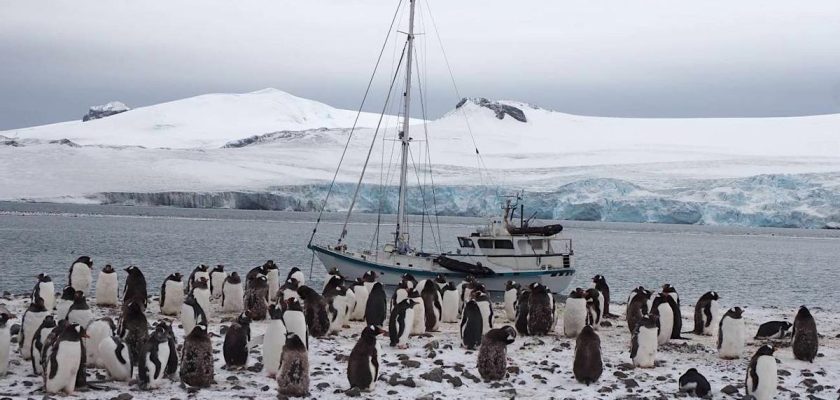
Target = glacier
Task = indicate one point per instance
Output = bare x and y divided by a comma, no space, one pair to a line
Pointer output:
274,151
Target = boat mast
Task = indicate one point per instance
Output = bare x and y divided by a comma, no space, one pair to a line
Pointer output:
399,242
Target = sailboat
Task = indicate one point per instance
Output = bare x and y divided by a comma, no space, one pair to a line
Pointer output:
496,253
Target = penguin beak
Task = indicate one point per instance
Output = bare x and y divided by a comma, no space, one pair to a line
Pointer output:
381,331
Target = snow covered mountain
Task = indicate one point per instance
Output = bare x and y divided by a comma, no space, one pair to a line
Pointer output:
271,150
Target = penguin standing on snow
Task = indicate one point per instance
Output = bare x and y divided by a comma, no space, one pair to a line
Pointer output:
153,358
762,374
39,341
594,308
637,307
511,294
295,320
363,363
522,311
449,303
361,293
574,316
217,281
338,300
172,363
588,365
419,325
432,305
645,343
675,309
134,329
256,298
293,376
201,292
706,314
805,340
233,295
600,283
773,330
197,358
296,274
274,340
399,324
465,291
192,314
288,290
492,355
315,311
410,281
694,383
172,294
45,289
79,313
377,305
32,319
201,271
662,306
6,340
472,325
731,334
116,358
235,348
81,274
486,308
107,287
272,275
135,288
64,361
541,310
62,305
400,294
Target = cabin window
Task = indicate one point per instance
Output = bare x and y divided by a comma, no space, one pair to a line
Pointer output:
504,244
466,242
485,243
536,244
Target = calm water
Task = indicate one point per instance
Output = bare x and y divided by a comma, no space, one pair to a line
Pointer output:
750,267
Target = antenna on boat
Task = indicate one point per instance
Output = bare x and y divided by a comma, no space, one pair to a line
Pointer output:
400,242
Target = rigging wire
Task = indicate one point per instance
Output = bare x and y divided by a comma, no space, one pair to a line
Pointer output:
429,164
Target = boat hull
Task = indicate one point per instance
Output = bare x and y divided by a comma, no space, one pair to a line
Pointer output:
557,280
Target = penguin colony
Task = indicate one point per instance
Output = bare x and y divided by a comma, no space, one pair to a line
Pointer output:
61,339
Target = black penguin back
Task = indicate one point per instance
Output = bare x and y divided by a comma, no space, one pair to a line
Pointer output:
376,306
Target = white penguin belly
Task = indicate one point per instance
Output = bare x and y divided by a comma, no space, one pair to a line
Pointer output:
174,298
361,301
106,289
273,341
419,325
298,276
400,295
450,306
339,304
81,277
47,292
574,316
486,319
409,321
82,318
156,375
33,321
766,369
510,310
273,278
202,296
68,357
62,307
350,305
646,353
36,354
107,354
712,327
5,349
234,298
187,318
666,322
373,370
97,331
296,323
732,342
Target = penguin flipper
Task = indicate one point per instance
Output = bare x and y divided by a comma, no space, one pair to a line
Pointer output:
53,362
634,345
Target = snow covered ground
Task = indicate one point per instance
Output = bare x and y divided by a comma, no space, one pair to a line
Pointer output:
434,366
205,150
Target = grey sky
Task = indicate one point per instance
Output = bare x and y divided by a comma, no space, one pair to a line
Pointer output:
612,58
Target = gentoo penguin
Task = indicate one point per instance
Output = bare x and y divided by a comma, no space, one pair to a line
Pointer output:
151,366
293,376
522,311
197,358
6,341
361,294
107,288
80,274
32,319
233,294
399,324
433,307
410,281
731,334
45,288
400,294
637,307
79,313
172,363
600,283
295,320
662,306
694,383
762,374
486,309
254,273
594,308
369,278
675,309
588,365
201,271
472,323
333,273
464,291
64,361
338,301
315,311
135,288
97,331
575,314
134,328
511,294
116,358
201,291
449,303
773,330
492,355
274,340
377,305
706,314
217,280
62,305
296,274
363,363
440,281
272,275
39,341
235,348
172,294
288,290
256,298
645,342
192,314
805,340
419,325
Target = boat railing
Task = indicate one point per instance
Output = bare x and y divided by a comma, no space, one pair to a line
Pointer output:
562,246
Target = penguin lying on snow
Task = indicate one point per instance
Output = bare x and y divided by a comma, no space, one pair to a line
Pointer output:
363,363
492,355
45,289
805,342
293,376
64,361
107,287
235,348
172,294
80,274
400,323
731,334
694,383
762,374
773,330
588,365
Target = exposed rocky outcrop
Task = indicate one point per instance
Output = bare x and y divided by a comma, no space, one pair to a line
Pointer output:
499,108
105,110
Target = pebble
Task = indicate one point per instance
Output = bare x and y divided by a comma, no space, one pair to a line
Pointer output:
729,389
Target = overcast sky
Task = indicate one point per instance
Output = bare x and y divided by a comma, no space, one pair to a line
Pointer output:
612,58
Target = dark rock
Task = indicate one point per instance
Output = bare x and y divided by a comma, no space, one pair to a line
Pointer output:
124,396
353,392
455,381
14,329
410,363
730,390
232,378
630,383
435,375
105,110
322,385
498,108
620,375
264,388
257,367
513,370
434,344
784,372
